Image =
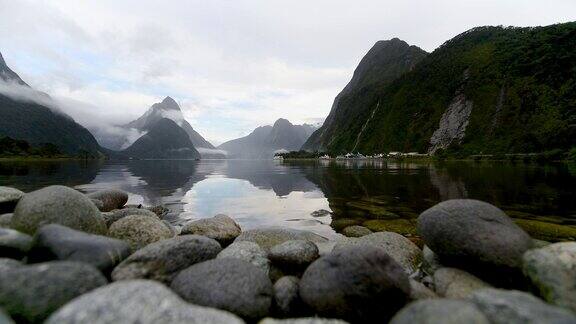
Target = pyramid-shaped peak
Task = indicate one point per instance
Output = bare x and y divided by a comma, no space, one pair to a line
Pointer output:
167,104
282,122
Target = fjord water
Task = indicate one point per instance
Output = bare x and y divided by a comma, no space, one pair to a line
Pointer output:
273,193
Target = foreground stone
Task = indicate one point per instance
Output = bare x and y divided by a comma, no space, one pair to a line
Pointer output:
401,249
6,264
220,227
6,220
162,260
118,214
473,235
137,301
331,285
139,230
455,283
111,198
57,242
516,307
32,293
247,251
287,301
552,270
9,198
230,284
59,205
294,255
440,311
268,237
356,231
305,320
419,291
14,244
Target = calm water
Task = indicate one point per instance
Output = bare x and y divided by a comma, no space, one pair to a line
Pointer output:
262,193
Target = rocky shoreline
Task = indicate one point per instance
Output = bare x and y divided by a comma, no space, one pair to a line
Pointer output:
67,257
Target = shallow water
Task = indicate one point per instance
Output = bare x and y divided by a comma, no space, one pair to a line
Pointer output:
272,193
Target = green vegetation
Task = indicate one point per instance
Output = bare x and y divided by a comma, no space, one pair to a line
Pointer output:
300,155
521,81
10,148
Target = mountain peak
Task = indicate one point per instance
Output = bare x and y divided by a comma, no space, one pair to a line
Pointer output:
2,62
168,104
7,75
282,122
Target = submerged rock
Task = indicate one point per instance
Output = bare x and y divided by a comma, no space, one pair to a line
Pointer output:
159,210
163,260
401,249
139,230
14,244
440,311
59,205
137,301
247,251
332,287
220,227
474,235
57,242
294,255
118,214
9,197
455,283
552,270
517,307
268,237
32,293
230,284
111,198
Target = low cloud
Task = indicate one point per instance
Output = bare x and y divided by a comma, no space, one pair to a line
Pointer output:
206,151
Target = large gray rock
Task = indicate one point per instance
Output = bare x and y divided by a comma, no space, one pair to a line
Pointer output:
9,198
59,205
356,231
293,255
304,320
118,214
164,259
6,263
111,198
6,220
14,244
287,301
220,227
357,283
137,301
473,235
32,293
440,311
517,307
268,237
552,270
247,251
401,249
57,242
228,283
139,230
455,283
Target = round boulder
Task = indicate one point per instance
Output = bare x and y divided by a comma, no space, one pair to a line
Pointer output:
356,231
9,198
32,293
474,235
6,220
14,244
401,249
220,227
57,242
111,198
268,237
227,283
440,311
162,260
139,230
59,205
455,283
137,301
552,270
287,301
293,255
357,283
247,251
111,217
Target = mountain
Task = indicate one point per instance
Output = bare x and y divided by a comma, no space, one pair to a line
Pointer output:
264,141
168,108
490,90
25,119
164,140
384,62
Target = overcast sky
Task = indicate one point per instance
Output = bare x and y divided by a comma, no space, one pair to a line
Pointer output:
232,65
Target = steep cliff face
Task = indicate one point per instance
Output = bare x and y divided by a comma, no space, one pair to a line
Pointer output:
518,94
384,62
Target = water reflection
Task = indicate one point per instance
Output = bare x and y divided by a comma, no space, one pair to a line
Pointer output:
261,193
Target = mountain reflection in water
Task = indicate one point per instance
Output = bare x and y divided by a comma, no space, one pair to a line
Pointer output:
270,193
